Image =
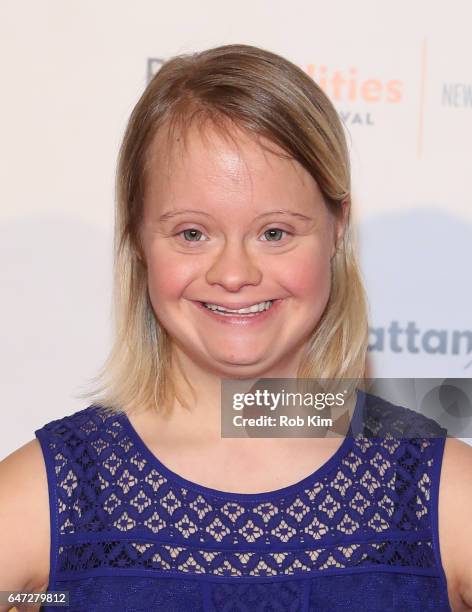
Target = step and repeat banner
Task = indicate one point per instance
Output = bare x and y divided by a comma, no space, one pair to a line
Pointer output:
400,77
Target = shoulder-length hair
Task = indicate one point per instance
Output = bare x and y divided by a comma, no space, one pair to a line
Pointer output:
266,95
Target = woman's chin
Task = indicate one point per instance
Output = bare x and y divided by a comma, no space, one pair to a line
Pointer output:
242,366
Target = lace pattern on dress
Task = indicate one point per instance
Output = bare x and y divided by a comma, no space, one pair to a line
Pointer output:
116,509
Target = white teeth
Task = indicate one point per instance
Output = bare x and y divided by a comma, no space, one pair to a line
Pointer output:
255,308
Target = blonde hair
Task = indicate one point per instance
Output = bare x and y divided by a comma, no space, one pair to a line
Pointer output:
266,95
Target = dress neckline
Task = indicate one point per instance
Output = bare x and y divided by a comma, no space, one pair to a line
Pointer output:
154,461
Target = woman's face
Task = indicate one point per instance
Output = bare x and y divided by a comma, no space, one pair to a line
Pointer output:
211,233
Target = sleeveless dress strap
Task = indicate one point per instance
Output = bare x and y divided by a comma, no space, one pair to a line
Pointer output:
439,444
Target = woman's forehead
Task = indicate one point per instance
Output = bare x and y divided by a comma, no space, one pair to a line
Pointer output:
233,156
207,130
232,201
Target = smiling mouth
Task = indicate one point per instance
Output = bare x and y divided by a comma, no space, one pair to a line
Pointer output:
263,312
254,308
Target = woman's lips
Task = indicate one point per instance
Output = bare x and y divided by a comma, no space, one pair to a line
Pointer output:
241,319
237,305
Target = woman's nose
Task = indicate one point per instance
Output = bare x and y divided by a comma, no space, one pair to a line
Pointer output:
233,267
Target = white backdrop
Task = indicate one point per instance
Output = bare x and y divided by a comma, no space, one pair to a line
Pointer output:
71,71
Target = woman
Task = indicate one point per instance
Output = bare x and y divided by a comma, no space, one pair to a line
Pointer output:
233,190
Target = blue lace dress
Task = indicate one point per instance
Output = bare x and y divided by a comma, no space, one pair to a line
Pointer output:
359,534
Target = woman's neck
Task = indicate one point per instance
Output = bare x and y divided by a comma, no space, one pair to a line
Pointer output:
202,419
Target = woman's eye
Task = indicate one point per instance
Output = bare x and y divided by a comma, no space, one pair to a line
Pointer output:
191,235
273,233
194,235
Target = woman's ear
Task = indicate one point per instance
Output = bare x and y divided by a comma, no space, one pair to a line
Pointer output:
138,249
341,222
139,253
141,259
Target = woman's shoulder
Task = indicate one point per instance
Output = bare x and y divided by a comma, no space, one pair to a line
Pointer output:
455,526
382,417
27,479
24,524
82,422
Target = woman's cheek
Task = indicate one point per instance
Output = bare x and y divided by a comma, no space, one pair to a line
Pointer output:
170,274
309,274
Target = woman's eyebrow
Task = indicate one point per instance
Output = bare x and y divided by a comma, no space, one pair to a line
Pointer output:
173,213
